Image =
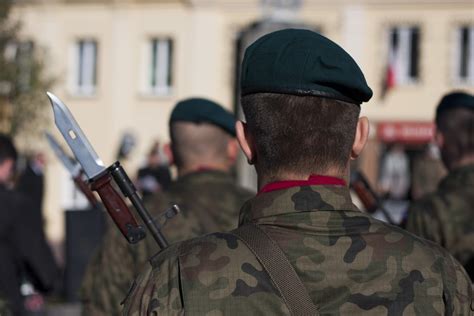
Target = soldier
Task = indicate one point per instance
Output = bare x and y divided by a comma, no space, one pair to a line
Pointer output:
24,252
302,247
204,150
447,215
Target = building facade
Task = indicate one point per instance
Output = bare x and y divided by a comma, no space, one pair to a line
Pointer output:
122,64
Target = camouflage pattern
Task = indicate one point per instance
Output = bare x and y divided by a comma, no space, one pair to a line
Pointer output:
351,264
209,200
426,175
447,215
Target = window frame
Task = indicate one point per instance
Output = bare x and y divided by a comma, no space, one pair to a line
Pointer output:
456,78
150,74
408,80
88,89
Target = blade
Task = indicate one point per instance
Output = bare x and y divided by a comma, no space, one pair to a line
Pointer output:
71,165
75,138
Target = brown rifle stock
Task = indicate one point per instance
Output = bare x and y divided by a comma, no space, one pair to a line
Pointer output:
117,208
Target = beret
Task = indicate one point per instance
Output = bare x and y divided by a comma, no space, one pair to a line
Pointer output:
455,100
199,110
302,62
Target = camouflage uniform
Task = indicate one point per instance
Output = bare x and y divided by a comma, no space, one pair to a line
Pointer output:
209,200
349,262
447,215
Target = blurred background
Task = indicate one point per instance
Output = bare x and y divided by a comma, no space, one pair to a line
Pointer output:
121,65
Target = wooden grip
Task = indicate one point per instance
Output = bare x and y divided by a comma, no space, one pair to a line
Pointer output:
117,209
84,188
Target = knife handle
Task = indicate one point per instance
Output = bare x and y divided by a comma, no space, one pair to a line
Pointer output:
84,188
117,209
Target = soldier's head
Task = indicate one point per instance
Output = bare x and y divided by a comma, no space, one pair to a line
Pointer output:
202,136
8,157
301,96
455,129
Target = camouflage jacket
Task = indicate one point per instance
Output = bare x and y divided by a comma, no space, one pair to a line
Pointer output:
209,201
349,262
447,215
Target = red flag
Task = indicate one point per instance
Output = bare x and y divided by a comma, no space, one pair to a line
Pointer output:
389,79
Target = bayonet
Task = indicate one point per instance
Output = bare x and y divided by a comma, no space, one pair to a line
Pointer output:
69,163
75,138
74,169
100,179
95,171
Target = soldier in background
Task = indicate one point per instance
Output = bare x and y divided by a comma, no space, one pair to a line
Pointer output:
24,253
204,150
31,180
395,173
303,247
155,175
428,170
447,215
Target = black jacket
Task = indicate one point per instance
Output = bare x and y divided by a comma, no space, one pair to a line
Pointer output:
24,252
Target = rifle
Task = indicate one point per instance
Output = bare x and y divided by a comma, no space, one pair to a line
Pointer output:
100,180
367,195
74,169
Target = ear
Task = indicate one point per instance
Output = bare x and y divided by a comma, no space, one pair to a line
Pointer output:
232,150
439,139
6,170
245,141
169,153
361,136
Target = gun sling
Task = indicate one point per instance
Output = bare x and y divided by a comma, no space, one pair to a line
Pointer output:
280,270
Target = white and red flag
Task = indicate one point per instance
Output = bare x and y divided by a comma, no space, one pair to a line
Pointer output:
402,61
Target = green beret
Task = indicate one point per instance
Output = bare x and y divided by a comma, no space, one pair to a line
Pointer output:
198,110
455,100
302,62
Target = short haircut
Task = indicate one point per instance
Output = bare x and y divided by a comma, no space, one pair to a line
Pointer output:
300,134
198,143
7,149
457,126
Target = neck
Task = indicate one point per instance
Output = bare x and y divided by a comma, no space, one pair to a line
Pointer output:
464,161
184,170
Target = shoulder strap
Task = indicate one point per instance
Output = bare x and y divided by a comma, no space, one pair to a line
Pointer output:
280,270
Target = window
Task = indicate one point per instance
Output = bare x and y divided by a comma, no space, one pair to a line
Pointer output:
464,55
85,72
159,76
404,54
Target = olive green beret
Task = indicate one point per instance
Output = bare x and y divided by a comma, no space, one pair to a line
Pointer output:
198,110
455,100
302,62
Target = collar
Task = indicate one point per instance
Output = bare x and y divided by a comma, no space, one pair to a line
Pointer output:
297,199
203,175
312,180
